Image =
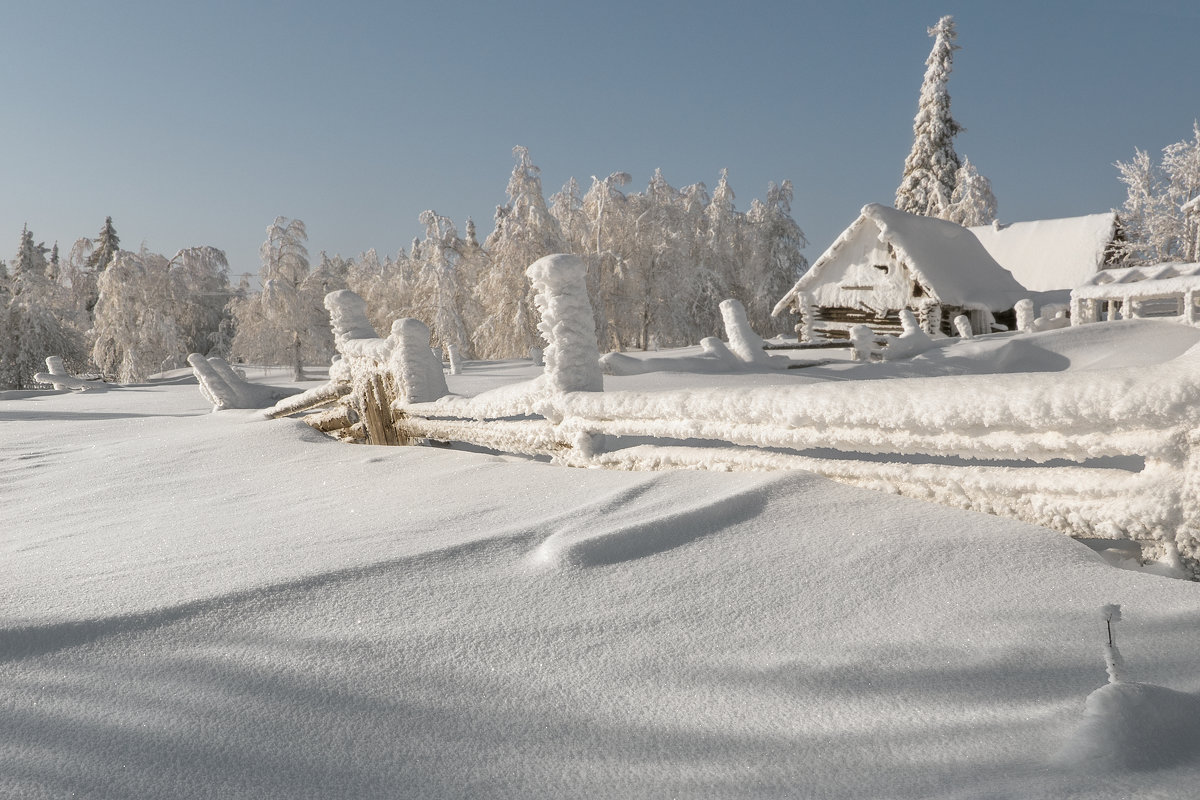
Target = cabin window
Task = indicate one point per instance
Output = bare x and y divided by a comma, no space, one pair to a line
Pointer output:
882,268
918,290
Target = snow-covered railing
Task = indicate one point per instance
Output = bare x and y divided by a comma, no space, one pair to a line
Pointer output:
1104,453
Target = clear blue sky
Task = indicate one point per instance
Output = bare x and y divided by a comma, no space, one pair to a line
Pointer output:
197,123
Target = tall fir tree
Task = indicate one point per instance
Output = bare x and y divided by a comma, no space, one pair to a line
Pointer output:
105,247
930,170
525,231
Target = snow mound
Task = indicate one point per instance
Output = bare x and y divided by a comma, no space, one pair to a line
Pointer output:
1135,726
648,518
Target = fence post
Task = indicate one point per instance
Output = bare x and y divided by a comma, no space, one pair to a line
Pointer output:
572,355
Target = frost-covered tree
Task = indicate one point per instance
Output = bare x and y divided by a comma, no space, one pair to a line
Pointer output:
105,247
525,231
774,260
34,318
656,266
136,332
439,286
199,288
972,202
927,185
1161,217
605,210
285,322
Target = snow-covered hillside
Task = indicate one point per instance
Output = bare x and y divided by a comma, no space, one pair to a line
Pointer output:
219,605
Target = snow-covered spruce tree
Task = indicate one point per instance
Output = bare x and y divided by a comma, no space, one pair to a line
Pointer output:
606,247
525,231
774,260
972,202
705,288
105,247
726,252
927,185
438,289
658,267
286,323
34,312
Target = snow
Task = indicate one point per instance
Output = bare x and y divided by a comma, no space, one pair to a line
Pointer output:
1051,254
221,605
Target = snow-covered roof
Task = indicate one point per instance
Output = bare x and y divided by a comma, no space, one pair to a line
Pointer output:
1156,280
943,256
1050,254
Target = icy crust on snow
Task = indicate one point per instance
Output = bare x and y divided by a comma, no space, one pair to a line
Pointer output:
1050,254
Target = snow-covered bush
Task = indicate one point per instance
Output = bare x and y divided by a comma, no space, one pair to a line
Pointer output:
560,295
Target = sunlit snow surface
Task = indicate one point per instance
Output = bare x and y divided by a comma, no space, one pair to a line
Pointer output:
218,605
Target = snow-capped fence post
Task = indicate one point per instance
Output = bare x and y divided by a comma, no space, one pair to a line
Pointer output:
572,355
931,316
743,341
348,317
1189,305
1025,315
416,370
963,326
807,309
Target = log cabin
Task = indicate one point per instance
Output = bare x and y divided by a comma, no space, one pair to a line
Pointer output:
890,260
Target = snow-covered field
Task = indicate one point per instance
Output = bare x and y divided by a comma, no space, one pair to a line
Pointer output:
218,605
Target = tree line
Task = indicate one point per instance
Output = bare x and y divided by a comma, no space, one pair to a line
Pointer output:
659,263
